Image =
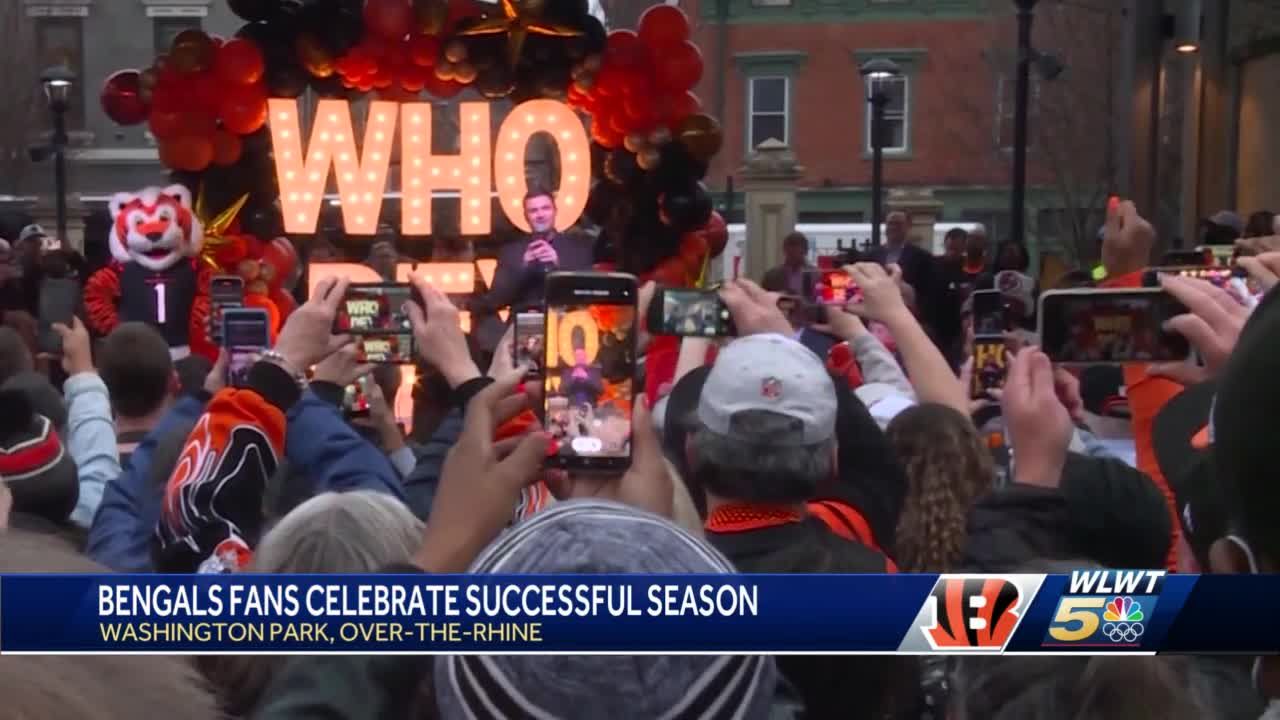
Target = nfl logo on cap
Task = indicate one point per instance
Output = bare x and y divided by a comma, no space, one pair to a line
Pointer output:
771,388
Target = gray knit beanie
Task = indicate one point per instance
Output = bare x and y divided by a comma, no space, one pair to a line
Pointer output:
602,537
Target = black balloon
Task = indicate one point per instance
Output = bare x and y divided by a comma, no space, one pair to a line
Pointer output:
263,220
620,167
687,209
593,39
337,24
254,10
286,80
495,82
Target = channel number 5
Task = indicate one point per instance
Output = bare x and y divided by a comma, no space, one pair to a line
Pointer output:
1080,611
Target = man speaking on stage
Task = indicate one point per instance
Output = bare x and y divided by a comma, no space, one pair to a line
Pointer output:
523,266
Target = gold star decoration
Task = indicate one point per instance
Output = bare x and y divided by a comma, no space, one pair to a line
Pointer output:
517,23
215,228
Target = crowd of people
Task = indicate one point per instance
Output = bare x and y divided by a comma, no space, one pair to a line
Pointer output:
759,455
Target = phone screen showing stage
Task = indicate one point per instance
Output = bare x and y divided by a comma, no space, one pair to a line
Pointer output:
989,317
245,335
386,349
374,310
1219,276
1103,327
990,366
529,345
835,287
694,313
590,383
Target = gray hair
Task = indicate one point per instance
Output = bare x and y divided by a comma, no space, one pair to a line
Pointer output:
352,532
761,460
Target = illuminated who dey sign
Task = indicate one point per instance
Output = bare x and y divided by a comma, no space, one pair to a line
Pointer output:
362,175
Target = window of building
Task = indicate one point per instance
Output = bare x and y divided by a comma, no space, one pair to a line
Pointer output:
168,28
60,41
1006,104
768,101
897,112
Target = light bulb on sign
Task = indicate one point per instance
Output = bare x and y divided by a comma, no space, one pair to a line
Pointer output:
572,144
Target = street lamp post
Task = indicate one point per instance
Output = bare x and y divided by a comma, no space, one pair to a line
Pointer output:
57,82
877,70
1018,209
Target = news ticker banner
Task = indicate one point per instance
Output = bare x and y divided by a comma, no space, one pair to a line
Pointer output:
1096,611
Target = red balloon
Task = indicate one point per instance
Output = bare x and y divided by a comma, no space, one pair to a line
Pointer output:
414,78
717,233
282,258
423,50
191,153
122,98
239,62
679,66
244,109
672,109
226,148
284,302
203,92
641,114
623,49
663,25
389,18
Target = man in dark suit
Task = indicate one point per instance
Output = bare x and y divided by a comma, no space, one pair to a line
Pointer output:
523,265
919,269
795,276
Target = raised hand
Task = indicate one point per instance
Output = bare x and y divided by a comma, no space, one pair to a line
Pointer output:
437,330
754,310
481,480
307,336
1039,424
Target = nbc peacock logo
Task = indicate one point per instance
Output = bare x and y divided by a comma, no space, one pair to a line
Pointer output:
1122,620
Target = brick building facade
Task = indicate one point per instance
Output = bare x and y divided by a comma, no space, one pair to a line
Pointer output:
791,68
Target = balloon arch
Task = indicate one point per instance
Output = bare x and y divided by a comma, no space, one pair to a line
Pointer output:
206,103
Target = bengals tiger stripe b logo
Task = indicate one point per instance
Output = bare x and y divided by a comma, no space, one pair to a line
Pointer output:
973,612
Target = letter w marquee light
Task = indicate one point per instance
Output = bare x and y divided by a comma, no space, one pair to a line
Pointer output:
303,172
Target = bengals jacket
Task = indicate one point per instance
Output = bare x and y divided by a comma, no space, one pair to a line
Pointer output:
275,421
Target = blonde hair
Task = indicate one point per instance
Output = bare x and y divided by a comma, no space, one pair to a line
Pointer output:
683,512
353,532
947,468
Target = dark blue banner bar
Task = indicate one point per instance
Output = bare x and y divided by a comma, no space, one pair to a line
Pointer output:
1088,611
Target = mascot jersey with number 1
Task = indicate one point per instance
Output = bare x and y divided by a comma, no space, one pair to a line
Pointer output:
156,277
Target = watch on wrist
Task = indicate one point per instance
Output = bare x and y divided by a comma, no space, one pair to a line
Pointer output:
276,358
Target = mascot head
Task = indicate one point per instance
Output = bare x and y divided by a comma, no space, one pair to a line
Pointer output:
155,227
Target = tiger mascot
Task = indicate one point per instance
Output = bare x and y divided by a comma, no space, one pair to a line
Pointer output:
156,277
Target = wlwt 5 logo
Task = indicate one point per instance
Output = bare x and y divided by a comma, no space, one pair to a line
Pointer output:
971,613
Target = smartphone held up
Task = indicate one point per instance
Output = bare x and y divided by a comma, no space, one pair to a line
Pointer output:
689,312
1087,326
374,314
246,334
589,383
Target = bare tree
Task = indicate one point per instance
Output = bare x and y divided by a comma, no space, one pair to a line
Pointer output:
1072,137
20,92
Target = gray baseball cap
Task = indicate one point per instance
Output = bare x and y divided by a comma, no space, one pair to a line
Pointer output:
769,372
